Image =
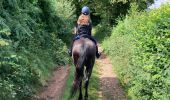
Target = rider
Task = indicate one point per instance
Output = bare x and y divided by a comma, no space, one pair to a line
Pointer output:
84,27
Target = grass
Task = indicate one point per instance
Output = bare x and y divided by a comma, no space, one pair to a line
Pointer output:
68,84
93,85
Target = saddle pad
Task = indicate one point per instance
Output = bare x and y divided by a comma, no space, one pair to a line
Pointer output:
85,36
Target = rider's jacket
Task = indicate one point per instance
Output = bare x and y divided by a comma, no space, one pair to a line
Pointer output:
84,29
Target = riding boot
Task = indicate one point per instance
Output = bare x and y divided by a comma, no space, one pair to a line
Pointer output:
75,37
97,52
70,49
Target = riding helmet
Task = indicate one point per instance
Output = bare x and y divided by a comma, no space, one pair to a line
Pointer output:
85,10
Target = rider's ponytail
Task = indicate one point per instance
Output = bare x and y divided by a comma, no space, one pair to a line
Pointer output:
84,20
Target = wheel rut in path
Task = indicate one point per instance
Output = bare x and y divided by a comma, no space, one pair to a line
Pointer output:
110,88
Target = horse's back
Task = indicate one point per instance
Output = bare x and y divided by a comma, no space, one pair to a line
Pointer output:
84,45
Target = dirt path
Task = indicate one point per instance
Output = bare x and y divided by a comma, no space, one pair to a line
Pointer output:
54,88
110,88
109,83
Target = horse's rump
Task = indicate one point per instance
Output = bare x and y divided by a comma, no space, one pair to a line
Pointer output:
84,47
84,52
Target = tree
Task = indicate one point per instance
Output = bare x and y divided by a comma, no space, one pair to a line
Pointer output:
109,10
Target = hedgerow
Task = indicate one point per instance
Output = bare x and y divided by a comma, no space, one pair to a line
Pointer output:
31,43
139,48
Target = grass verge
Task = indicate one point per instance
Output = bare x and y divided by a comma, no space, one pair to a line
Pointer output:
93,85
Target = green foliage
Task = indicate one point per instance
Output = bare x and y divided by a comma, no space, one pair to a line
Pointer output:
101,32
139,49
31,33
109,10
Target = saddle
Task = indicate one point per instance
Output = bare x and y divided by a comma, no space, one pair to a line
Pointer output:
77,37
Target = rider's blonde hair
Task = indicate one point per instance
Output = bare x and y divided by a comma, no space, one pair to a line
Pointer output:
84,20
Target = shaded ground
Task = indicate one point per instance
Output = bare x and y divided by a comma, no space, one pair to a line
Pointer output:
53,90
110,88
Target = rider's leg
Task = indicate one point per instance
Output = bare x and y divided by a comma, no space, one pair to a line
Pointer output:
71,46
97,52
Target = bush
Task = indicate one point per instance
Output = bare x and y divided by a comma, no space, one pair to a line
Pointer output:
31,33
139,49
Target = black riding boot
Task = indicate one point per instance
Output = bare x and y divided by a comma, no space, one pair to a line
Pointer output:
75,37
97,52
70,49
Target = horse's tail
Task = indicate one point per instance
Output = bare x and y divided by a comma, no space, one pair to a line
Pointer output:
79,71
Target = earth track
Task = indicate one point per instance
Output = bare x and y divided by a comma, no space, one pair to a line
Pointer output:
110,88
55,85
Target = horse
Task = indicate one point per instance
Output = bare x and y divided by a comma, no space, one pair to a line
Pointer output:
83,55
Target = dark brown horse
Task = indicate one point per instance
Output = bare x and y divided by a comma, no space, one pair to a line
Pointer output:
84,52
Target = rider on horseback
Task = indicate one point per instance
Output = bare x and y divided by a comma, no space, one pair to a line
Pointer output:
84,28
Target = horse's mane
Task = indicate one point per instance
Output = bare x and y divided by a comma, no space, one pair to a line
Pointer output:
83,20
